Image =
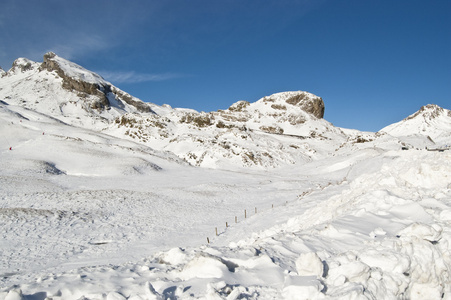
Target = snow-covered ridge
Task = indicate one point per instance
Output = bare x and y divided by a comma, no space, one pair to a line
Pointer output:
21,65
246,134
83,81
430,112
430,121
273,131
70,69
67,91
283,128
295,113
308,102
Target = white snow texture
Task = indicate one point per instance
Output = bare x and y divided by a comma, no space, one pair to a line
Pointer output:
260,201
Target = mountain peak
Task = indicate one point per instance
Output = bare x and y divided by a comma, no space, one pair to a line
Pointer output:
430,120
61,87
428,112
85,82
66,68
21,65
307,102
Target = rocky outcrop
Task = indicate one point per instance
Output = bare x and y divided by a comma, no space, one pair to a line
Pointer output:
311,105
429,112
98,87
83,88
127,98
239,106
21,65
289,102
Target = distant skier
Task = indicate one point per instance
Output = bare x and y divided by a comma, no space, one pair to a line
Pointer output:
10,148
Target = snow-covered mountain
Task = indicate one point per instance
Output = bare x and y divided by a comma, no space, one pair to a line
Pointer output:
66,91
283,128
431,123
100,197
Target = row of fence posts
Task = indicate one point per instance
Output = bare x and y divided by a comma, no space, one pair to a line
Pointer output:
236,221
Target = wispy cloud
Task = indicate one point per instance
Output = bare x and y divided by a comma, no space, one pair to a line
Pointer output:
79,45
135,77
50,25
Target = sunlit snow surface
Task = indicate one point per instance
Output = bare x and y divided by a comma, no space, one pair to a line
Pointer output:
88,211
88,215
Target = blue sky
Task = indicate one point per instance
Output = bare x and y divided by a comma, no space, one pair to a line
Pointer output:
372,62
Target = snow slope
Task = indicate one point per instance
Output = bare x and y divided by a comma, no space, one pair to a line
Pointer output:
365,225
117,203
276,130
431,121
66,91
273,131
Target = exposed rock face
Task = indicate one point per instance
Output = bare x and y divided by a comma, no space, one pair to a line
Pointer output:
314,106
429,111
141,106
100,88
239,106
271,129
290,102
82,87
21,65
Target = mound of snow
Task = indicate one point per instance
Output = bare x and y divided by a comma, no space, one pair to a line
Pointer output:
309,264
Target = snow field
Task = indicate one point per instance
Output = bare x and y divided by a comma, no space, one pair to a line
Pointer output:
381,233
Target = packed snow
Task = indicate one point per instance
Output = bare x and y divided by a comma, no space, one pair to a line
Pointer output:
87,212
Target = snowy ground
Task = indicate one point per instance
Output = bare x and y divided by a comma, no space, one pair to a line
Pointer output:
89,216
